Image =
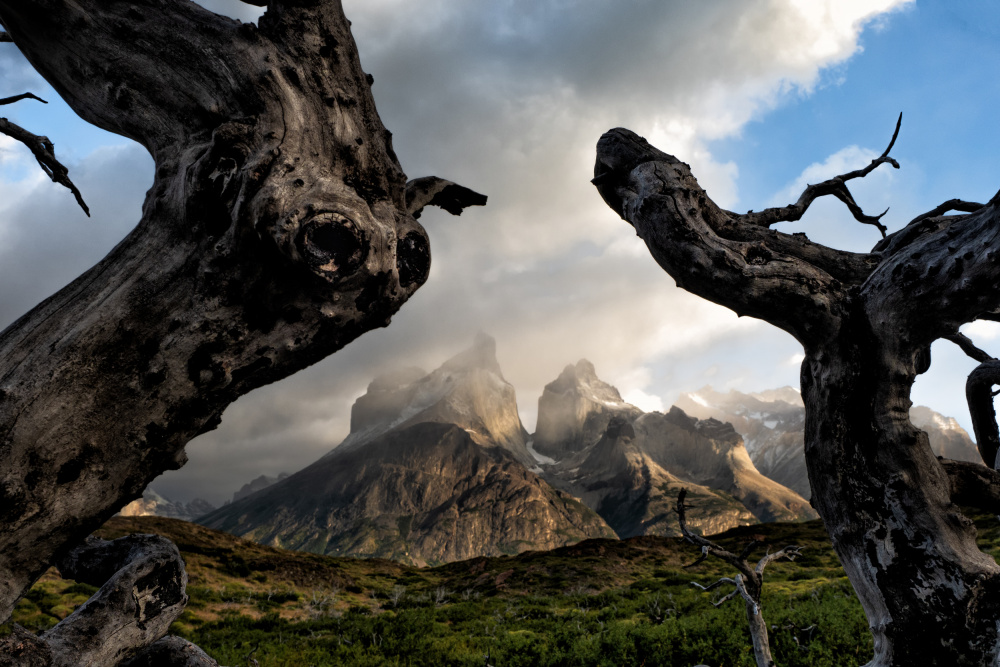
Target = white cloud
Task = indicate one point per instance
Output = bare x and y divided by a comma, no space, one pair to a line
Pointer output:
981,330
795,360
643,401
508,98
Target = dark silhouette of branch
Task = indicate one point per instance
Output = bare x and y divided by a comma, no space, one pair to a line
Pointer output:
973,485
979,394
950,205
969,347
42,149
836,186
434,191
748,584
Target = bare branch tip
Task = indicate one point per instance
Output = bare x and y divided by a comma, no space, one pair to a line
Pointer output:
895,134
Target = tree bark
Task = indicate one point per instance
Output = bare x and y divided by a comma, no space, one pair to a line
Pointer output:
276,231
866,322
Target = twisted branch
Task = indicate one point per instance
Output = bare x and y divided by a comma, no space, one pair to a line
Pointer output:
979,394
41,148
836,186
969,347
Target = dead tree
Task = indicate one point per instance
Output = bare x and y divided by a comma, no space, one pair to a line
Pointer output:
278,229
866,322
748,582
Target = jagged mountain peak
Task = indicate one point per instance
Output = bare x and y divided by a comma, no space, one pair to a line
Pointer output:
575,409
581,379
482,355
468,390
153,504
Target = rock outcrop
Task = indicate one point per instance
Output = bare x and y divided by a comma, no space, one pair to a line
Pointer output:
421,493
637,496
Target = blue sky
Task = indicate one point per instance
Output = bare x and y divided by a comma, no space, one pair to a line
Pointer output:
760,96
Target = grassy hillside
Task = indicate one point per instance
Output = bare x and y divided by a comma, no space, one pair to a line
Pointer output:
601,602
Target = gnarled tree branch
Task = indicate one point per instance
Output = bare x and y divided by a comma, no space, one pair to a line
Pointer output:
967,346
434,191
42,149
172,651
979,394
836,186
748,583
866,322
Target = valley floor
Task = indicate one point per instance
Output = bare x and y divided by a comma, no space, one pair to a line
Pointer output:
598,603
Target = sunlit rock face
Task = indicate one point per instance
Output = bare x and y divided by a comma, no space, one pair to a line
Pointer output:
637,496
575,409
424,493
153,504
947,438
772,424
673,447
468,390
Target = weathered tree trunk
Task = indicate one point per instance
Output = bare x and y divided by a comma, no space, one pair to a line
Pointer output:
866,322
277,230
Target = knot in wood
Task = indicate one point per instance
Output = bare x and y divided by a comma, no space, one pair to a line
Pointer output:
758,255
333,245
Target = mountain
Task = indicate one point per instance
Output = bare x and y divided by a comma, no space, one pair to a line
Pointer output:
947,438
436,468
468,390
637,496
629,465
257,484
575,409
153,504
423,494
772,424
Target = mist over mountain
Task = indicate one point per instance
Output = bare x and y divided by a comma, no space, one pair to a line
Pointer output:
468,390
772,424
436,468
575,409
439,467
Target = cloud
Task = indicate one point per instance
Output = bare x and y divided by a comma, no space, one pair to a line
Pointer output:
45,238
508,98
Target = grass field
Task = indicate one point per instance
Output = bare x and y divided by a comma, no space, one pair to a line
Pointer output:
598,603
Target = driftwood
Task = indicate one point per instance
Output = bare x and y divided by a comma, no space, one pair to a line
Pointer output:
278,229
866,322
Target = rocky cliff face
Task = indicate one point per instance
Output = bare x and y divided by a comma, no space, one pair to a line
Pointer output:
631,469
574,411
424,493
153,504
637,496
468,390
772,425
